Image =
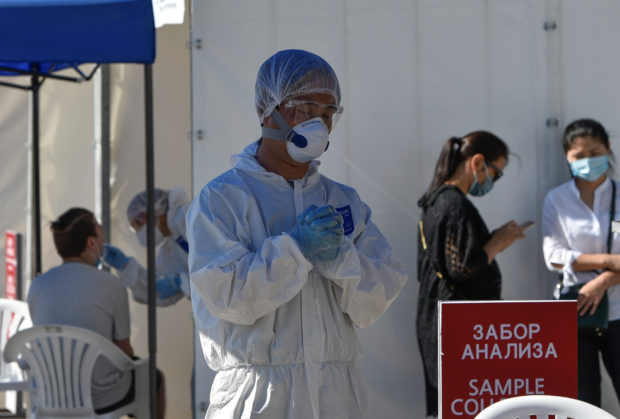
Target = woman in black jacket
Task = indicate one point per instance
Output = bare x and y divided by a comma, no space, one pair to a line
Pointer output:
456,251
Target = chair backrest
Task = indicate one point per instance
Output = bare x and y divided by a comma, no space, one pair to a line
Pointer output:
541,406
60,360
14,316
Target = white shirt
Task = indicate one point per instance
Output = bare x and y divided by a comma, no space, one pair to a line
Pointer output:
571,228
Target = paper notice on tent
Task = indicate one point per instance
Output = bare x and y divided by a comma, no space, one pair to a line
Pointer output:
168,12
489,351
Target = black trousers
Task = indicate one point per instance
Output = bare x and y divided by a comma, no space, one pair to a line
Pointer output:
589,346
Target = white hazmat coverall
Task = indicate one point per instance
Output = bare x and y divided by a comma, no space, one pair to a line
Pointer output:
171,257
279,330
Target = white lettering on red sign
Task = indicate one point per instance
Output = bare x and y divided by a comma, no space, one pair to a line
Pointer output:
495,390
11,267
10,247
507,387
519,331
509,350
470,407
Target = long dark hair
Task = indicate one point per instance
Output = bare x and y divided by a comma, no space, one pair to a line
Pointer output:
456,150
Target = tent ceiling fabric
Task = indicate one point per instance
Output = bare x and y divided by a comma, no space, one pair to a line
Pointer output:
63,33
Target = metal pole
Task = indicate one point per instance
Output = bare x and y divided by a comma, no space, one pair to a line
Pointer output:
150,223
102,149
36,188
19,411
106,218
18,272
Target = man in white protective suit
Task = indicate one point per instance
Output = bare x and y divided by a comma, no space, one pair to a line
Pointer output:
171,262
285,263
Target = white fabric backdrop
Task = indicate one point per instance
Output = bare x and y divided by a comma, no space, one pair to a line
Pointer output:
414,73
172,167
13,175
67,176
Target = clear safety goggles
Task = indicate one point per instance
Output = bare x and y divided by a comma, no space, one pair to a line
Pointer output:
302,110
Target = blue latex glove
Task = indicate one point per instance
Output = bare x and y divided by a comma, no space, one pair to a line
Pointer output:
317,229
114,256
335,239
168,286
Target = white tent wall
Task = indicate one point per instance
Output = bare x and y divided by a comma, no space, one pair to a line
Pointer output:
414,73
13,184
65,123
66,156
13,174
67,176
172,167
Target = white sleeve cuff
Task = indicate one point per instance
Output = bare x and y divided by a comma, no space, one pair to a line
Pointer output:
568,265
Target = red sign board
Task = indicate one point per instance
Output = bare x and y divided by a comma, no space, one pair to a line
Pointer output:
10,263
495,350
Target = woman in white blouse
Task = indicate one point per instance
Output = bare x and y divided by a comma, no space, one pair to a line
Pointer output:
576,226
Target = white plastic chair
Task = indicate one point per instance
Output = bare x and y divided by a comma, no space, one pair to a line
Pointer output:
60,362
541,406
14,316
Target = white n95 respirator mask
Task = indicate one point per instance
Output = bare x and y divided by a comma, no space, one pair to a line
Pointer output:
305,141
141,236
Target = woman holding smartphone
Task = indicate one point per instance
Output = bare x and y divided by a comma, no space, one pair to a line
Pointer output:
456,251
580,242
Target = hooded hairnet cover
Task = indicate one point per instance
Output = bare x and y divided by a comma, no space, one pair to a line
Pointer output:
292,73
137,204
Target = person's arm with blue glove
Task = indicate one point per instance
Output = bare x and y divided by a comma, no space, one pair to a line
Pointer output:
134,276
318,232
366,275
333,224
114,257
237,280
168,286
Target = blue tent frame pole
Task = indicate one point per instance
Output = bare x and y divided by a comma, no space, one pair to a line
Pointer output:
150,222
36,180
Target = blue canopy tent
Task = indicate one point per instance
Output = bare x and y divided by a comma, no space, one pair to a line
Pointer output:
38,38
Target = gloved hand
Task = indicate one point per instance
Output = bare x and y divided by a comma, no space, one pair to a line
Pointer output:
168,286
317,230
331,253
114,256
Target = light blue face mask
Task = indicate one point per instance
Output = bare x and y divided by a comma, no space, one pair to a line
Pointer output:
590,168
479,189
